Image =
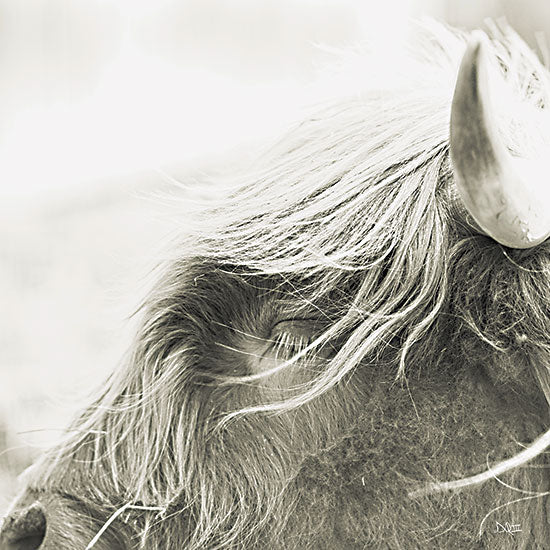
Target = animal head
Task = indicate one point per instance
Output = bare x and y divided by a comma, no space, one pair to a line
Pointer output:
346,342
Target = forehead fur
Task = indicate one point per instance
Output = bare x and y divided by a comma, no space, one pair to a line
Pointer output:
347,181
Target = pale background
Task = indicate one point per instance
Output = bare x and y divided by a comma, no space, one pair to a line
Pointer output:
100,102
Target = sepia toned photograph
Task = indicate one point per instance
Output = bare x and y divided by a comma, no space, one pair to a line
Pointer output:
274,275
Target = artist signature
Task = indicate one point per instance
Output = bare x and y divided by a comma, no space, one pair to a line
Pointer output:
509,528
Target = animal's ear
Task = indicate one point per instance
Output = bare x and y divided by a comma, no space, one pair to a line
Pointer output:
509,203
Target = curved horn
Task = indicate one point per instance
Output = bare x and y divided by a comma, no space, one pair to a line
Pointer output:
506,207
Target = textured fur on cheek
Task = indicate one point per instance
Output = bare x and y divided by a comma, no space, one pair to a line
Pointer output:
354,495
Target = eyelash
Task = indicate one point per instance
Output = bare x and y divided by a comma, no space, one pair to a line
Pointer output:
286,344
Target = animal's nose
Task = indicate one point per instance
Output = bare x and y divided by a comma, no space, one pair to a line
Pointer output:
24,529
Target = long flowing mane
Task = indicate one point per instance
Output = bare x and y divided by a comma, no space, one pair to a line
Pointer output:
350,220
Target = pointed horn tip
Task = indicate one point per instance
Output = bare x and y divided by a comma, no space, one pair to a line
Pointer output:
472,73
477,38
477,44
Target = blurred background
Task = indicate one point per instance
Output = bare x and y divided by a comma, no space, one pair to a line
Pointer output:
101,103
